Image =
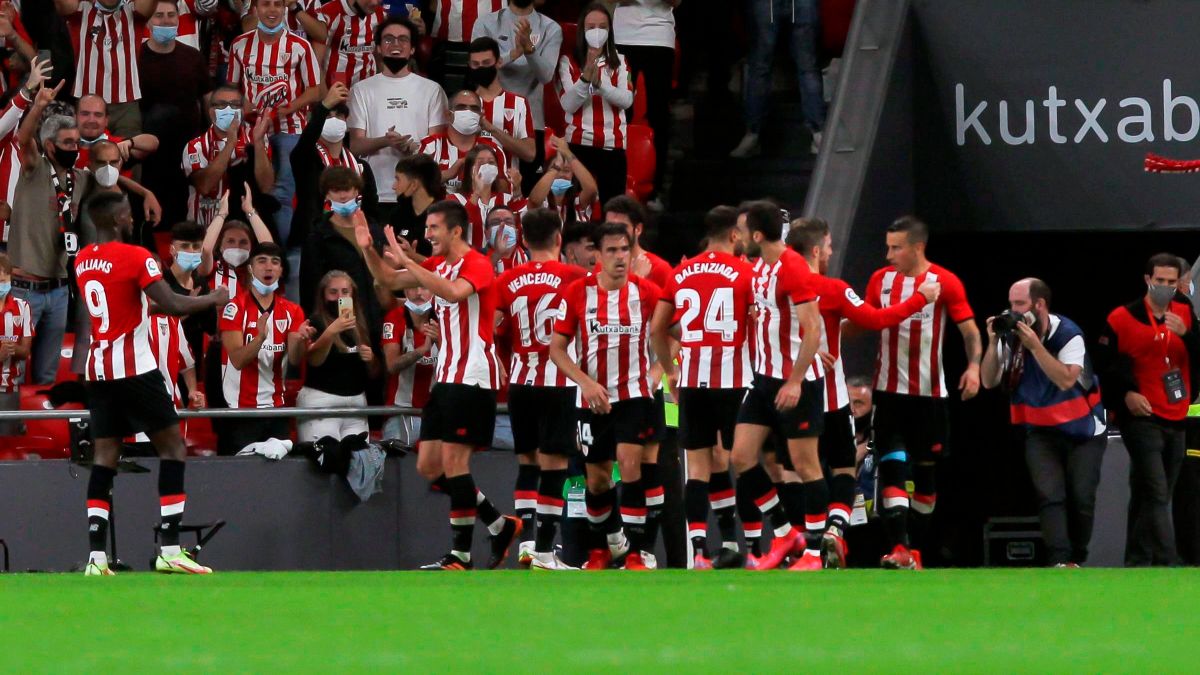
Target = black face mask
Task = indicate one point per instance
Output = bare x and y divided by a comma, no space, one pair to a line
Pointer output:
65,158
395,63
482,77
522,4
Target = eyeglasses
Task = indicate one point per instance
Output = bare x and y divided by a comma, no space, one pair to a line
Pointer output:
225,105
502,220
396,40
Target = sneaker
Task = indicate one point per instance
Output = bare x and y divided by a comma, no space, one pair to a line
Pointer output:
649,560
780,548
834,550
1068,566
95,569
525,553
700,562
809,562
815,147
179,563
598,559
449,562
748,147
728,559
548,561
501,542
899,559
618,551
634,561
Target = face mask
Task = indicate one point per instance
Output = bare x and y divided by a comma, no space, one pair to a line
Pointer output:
107,175
422,308
5,289
263,289
268,30
487,173
225,117
164,34
344,209
334,130
560,186
65,158
483,77
235,256
596,37
466,122
395,63
1161,295
508,232
188,260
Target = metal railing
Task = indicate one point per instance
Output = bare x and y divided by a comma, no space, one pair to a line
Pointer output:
237,413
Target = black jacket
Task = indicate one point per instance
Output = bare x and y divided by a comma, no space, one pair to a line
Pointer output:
307,168
326,250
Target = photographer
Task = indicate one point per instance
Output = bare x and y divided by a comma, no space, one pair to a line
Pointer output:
1147,358
1041,360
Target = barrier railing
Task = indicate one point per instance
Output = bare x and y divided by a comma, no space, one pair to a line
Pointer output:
237,413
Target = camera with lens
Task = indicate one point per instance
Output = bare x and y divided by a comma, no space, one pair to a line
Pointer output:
1006,323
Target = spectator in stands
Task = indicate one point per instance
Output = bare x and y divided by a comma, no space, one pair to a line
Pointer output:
259,330
187,253
229,156
106,44
322,145
347,30
410,340
453,23
16,337
770,18
104,174
645,32
340,360
506,118
567,186
1055,398
91,114
449,149
225,253
175,83
578,248
595,91
506,241
331,246
418,185
529,44
483,189
14,38
1148,356
43,232
391,111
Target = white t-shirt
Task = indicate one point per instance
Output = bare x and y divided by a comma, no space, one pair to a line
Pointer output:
412,104
650,23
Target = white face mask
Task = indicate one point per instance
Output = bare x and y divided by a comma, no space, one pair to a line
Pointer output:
235,256
107,175
596,37
466,122
415,308
334,130
487,173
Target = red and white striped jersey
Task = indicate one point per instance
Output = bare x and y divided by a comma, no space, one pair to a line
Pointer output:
106,44
351,41
197,155
597,123
530,301
453,20
778,288
10,150
660,270
171,351
510,113
515,258
111,279
273,74
346,158
477,213
612,333
224,276
18,324
445,153
261,385
410,387
910,355
467,353
839,301
712,295
565,208
191,14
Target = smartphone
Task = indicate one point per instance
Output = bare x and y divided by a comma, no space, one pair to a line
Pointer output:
43,56
345,303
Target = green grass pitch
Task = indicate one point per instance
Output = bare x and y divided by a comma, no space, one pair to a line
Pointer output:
944,621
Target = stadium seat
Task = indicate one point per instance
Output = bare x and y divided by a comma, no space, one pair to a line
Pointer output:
199,437
639,151
56,430
11,455
65,354
556,119
425,52
836,16
569,30
639,101
33,447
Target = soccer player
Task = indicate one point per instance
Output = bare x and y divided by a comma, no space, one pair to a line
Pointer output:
706,306
461,414
126,390
608,315
811,238
541,400
786,395
910,385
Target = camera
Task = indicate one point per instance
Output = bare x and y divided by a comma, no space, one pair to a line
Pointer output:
1007,321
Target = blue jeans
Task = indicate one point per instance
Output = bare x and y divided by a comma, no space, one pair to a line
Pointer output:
802,19
48,312
285,183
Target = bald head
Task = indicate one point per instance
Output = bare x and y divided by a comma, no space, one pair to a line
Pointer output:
1029,294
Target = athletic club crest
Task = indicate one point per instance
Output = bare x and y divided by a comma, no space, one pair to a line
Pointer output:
281,325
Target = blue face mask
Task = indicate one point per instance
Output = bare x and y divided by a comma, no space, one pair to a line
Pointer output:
225,117
344,209
188,260
268,30
164,34
508,233
263,289
4,289
560,186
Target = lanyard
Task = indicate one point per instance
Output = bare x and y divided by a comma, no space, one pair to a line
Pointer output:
1161,332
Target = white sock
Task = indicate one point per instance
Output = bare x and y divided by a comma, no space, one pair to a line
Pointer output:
169,551
98,557
465,557
617,540
496,527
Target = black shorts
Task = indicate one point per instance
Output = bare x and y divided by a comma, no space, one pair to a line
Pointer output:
543,419
838,450
706,413
123,407
460,413
915,424
806,420
630,421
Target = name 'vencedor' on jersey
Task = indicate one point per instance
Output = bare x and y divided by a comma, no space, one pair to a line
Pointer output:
712,294
530,300
778,288
111,279
467,353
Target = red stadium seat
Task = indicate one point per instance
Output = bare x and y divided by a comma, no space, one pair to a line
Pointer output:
556,119
836,16
56,430
199,437
569,30
65,354
12,455
639,151
639,100
425,52
33,447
